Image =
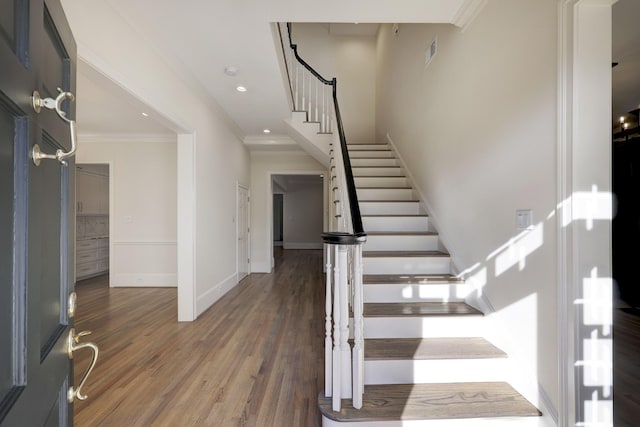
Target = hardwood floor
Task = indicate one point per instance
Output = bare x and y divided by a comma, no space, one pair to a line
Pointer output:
253,359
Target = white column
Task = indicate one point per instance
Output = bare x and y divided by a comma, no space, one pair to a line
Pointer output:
337,363
345,349
328,344
358,326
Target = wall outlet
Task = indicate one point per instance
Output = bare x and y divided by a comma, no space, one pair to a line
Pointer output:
524,219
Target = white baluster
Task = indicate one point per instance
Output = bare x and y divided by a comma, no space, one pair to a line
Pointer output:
316,100
358,326
345,348
328,347
337,360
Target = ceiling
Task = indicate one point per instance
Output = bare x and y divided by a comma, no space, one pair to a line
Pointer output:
200,38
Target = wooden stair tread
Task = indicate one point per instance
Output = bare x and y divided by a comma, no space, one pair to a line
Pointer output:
403,254
419,309
388,201
432,401
409,279
385,188
430,349
394,215
401,233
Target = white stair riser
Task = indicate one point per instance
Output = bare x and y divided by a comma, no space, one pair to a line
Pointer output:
416,293
385,194
375,162
434,371
393,171
407,265
396,181
424,327
390,208
395,223
372,153
455,422
402,243
367,146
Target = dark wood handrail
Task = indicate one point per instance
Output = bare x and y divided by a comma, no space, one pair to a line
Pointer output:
358,236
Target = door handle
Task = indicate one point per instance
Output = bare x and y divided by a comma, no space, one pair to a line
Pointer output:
73,344
54,104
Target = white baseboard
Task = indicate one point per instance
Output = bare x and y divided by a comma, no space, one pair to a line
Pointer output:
206,300
260,267
300,245
133,280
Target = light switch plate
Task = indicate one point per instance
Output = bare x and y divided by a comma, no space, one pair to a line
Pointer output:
524,219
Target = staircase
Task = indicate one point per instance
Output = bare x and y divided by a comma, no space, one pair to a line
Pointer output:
425,361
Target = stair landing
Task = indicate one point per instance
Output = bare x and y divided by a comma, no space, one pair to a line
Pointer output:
432,401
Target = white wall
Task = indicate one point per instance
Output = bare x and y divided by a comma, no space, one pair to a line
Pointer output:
210,169
477,129
349,59
303,216
143,220
263,165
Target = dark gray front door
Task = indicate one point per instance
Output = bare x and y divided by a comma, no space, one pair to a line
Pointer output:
37,52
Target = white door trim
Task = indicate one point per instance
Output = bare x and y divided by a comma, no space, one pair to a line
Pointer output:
248,225
584,168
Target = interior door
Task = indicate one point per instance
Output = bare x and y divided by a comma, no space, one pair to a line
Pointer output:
37,52
243,232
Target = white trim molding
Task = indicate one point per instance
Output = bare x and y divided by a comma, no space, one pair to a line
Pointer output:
90,138
583,246
216,292
467,13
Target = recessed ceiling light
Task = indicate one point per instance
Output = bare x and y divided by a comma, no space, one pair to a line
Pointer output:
267,131
145,114
241,89
231,71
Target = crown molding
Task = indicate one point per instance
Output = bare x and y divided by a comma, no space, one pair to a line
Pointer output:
467,13
126,138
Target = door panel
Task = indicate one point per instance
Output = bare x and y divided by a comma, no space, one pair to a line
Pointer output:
36,52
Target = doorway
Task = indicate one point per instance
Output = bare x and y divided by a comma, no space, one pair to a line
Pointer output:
299,221
92,220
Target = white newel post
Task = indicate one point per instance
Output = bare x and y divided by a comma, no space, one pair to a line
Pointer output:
337,362
358,326
345,348
328,344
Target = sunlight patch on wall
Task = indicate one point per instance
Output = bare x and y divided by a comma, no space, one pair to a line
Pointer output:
587,206
518,249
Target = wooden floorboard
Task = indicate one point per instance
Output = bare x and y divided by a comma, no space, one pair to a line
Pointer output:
255,358
430,349
433,401
418,309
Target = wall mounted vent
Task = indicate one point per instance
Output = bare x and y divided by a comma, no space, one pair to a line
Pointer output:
430,52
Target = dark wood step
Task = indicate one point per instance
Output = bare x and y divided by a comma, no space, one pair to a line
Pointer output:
430,349
419,309
432,401
388,201
403,254
409,279
401,233
393,215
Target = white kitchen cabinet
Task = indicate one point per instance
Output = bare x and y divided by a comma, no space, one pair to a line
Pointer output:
92,193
